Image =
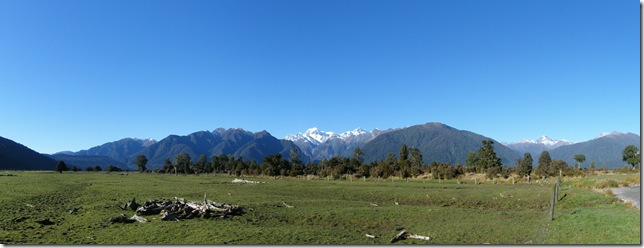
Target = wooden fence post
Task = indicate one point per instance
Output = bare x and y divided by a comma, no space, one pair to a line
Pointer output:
552,204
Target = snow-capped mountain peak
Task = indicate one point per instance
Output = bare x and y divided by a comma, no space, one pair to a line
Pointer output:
317,144
317,136
312,135
614,133
355,132
544,140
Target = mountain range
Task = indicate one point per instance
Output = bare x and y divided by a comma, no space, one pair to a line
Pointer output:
234,141
536,147
437,142
605,150
319,145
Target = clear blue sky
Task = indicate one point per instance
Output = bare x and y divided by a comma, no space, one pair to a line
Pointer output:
76,74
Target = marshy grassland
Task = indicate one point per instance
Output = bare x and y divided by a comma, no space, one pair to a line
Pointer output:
323,211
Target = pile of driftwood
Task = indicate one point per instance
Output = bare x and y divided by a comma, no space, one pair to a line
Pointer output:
177,209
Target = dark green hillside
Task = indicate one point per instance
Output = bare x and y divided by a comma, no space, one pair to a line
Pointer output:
232,140
122,150
264,144
193,144
14,156
236,142
606,151
437,142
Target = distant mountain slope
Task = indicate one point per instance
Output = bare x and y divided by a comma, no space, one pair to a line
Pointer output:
14,156
437,142
605,150
84,161
264,144
122,150
236,142
536,147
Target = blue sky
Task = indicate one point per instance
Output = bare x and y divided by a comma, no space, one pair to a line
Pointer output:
76,74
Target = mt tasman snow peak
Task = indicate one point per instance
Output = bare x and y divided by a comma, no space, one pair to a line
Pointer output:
537,146
544,140
318,145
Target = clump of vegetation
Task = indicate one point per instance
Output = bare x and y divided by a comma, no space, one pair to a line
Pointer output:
633,179
610,183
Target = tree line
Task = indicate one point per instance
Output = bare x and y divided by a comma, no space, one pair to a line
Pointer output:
408,164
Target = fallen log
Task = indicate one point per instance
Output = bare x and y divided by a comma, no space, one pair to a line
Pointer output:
138,218
404,235
400,236
286,205
414,236
370,236
121,219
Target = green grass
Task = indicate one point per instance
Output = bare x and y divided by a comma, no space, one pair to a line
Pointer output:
325,212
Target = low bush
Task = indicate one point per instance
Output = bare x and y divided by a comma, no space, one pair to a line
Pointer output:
610,183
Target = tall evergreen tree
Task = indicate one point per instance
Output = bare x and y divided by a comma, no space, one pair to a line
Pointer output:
416,157
182,162
404,153
524,167
295,157
200,166
416,162
543,167
472,161
297,167
356,159
487,157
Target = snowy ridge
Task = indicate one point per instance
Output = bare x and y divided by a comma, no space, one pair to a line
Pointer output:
543,140
318,145
312,135
611,134
146,142
316,136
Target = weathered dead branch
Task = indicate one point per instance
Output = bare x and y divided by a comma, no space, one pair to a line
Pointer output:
404,235
286,205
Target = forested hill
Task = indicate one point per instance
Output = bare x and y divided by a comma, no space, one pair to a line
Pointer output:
14,156
437,143
235,142
605,151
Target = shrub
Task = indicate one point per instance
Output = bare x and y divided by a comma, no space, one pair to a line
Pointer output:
61,166
491,172
633,180
610,183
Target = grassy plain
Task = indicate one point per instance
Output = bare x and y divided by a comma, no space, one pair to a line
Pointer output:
325,212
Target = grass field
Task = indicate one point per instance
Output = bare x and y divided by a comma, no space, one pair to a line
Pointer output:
324,212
